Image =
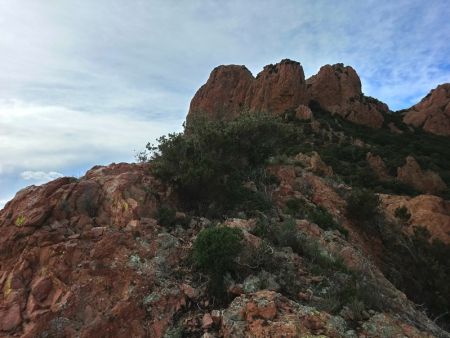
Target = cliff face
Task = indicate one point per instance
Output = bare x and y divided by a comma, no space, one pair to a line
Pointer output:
231,90
432,114
338,89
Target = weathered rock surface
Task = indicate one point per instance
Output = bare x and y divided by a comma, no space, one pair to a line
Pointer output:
424,181
232,90
378,166
314,163
280,88
85,258
431,212
432,114
338,89
70,264
269,314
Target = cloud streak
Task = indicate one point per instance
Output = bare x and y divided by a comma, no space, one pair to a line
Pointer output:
40,176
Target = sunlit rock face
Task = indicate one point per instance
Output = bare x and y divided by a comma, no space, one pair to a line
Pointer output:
282,88
432,114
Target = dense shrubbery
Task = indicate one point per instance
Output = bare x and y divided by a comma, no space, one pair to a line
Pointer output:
362,205
215,251
431,151
166,216
420,268
208,164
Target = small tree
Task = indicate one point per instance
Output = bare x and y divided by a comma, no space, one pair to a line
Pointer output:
362,205
402,214
215,251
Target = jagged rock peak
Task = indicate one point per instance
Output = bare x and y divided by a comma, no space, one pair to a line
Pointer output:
432,113
232,89
279,88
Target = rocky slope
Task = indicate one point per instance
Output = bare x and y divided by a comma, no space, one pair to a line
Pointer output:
432,114
87,258
282,88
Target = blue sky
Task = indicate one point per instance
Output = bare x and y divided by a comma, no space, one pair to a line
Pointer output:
90,82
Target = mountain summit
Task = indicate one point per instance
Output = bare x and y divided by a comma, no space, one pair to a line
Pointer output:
282,88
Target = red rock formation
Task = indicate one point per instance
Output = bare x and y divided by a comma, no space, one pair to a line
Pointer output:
231,90
432,114
338,89
224,95
278,88
424,181
70,265
431,212
378,166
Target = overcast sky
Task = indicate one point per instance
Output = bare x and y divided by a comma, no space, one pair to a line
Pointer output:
86,82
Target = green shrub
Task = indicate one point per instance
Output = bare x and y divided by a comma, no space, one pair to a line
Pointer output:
214,252
316,214
208,163
166,216
402,214
362,205
286,235
421,269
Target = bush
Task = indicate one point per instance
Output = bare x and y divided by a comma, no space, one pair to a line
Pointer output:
208,163
421,269
215,251
362,205
402,214
316,214
166,216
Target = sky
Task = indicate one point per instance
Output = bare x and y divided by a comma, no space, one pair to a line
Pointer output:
91,82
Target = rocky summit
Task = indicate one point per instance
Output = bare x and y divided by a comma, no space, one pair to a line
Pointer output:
432,114
289,207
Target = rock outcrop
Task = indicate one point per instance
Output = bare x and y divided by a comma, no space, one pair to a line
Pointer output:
281,88
338,90
70,264
378,166
269,314
432,114
232,90
431,212
424,181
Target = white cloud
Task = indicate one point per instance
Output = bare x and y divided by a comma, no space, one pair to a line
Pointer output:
2,203
40,176
42,138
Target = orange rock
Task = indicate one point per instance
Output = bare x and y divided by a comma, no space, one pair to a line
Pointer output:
41,288
429,211
207,321
337,89
432,114
281,88
425,181
378,166
10,317
303,113
232,90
